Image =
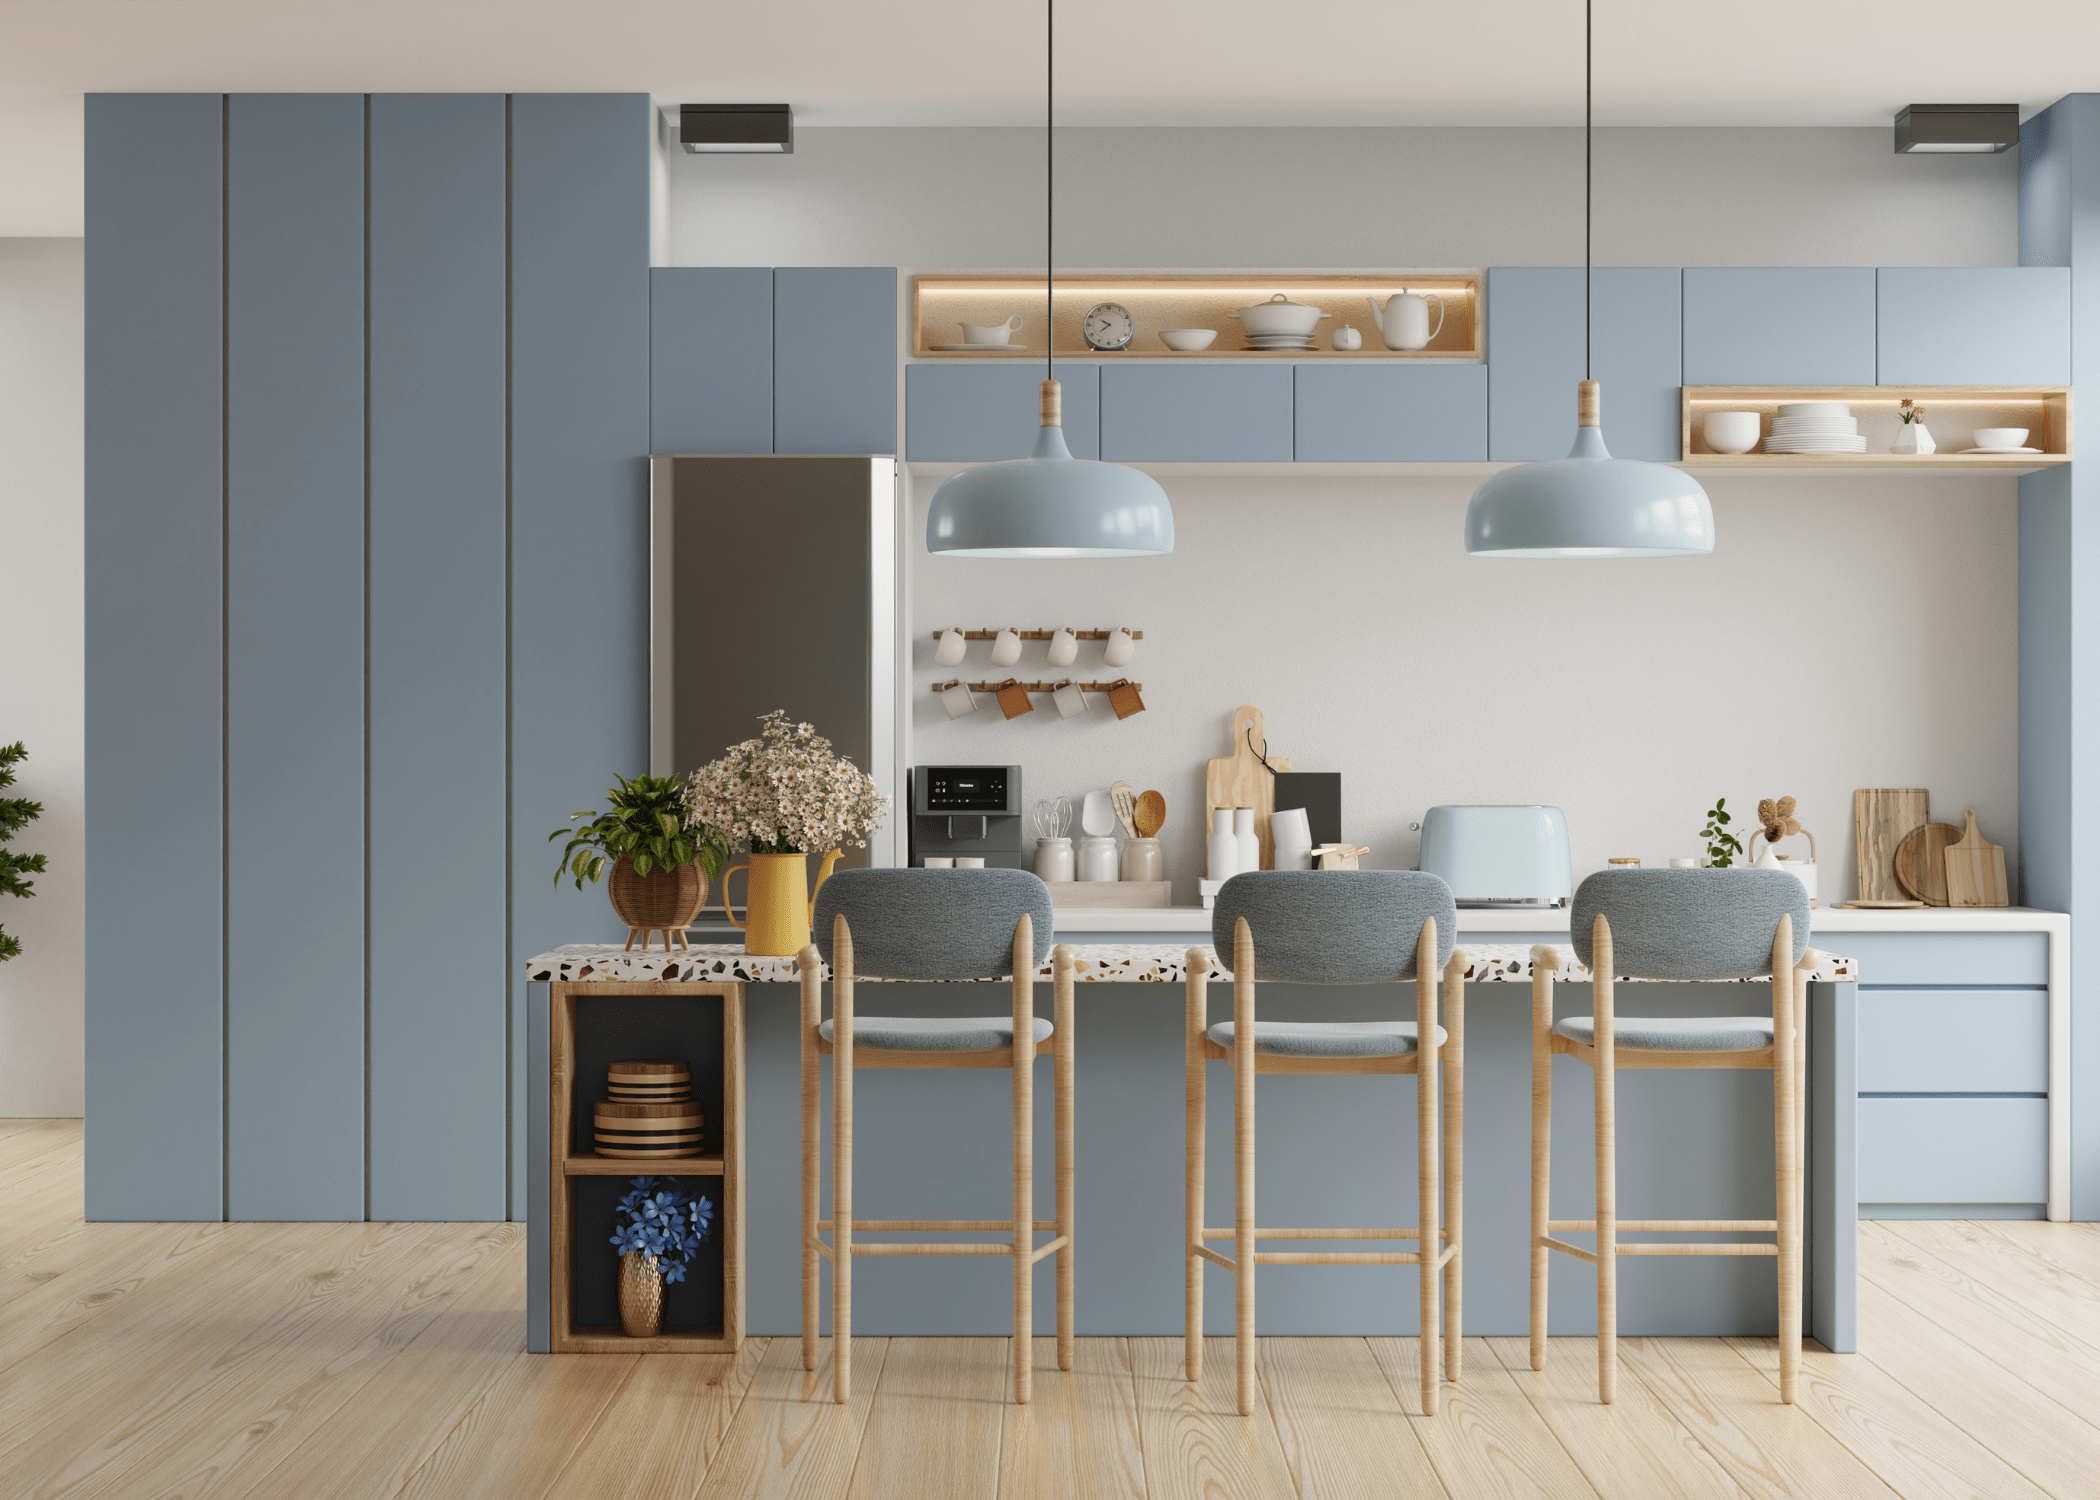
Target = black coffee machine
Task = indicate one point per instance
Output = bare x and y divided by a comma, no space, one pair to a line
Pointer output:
970,811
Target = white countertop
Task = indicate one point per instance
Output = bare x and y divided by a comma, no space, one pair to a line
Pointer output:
1555,919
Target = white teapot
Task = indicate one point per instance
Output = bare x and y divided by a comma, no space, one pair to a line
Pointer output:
1405,319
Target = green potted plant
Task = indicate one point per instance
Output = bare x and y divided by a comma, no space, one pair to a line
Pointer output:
661,862
1721,845
16,813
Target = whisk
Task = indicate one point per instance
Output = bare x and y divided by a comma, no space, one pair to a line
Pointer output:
1053,818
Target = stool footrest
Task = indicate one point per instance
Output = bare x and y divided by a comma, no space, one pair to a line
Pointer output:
1325,1234
933,1249
1338,1258
1673,1226
924,1226
1706,1248
1204,1252
1565,1248
1050,1249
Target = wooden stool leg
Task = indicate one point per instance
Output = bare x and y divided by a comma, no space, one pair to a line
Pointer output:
1787,1163
1607,1169
1426,1156
812,1087
1541,1145
1067,1103
841,1161
1243,1074
1192,1166
1024,1155
1454,1161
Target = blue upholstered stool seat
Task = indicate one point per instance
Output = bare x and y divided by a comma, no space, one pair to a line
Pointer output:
1674,1033
1329,1038
934,1033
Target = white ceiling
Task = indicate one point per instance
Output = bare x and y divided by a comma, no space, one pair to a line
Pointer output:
963,62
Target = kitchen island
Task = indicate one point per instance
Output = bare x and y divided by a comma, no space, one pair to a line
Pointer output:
1691,1144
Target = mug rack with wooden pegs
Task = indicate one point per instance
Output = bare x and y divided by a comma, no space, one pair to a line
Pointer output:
1040,635
1034,687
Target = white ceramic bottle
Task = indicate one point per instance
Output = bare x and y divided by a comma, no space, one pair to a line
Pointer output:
1224,849
1249,840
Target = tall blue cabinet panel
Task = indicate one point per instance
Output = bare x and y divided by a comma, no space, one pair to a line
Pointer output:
295,654
835,359
1973,325
1535,358
1216,413
1366,413
966,412
154,538
437,882
1778,325
711,359
579,272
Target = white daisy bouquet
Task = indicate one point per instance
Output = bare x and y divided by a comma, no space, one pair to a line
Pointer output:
785,793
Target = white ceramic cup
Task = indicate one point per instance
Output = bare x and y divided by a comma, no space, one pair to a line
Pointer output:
1731,431
1120,648
2001,437
1347,339
1068,700
969,862
1683,864
1291,826
942,862
1006,648
1064,647
998,333
951,648
958,701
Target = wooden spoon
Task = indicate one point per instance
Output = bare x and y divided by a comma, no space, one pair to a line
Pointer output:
1124,796
1150,815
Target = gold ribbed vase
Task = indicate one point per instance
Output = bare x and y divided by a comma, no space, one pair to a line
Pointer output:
641,1295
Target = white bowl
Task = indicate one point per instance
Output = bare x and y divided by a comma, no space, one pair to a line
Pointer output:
1188,340
1731,431
2001,437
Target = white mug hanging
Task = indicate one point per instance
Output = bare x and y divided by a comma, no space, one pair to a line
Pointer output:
950,650
1064,648
957,700
1068,699
1119,650
1006,648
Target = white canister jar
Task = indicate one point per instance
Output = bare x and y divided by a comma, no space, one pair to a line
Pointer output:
1143,859
1223,852
1097,857
1249,840
1053,861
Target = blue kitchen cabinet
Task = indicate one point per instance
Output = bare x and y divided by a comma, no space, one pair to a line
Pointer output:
968,412
1391,413
1778,325
711,359
835,359
1973,325
1953,1158
1535,357
1213,413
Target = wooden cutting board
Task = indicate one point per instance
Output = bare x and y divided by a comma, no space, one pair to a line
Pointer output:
1921,862
1881,818
1976,870
1241,780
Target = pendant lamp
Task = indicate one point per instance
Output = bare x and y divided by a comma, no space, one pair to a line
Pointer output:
1050,504
1589,504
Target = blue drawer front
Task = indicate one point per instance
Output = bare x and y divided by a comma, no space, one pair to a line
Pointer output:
1964,958
1974,325
1214,413
979,413
1779,325
1392,413
1954,1041
1953,1150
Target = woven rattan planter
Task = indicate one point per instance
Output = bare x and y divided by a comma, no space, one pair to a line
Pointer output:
663,901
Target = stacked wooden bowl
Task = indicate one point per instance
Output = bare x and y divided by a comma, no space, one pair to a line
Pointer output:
651,1112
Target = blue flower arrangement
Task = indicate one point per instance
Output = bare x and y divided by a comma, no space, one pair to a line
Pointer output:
659,1221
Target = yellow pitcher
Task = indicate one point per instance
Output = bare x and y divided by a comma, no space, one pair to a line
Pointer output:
778,905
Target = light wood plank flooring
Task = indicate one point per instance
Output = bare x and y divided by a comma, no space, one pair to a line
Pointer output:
303,1361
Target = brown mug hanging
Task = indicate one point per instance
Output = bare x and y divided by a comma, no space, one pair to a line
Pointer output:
1123,698
1013,698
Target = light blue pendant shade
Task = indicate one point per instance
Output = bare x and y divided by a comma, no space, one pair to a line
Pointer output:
1590,504
1050,504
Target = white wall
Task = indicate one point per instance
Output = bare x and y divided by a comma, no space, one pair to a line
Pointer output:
1229,198
1844,633
40,667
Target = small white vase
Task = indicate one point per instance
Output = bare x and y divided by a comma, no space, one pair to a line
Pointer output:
1053,860
1912,437
1249,840
1223,853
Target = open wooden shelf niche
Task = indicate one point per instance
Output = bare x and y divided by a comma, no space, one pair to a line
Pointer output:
942,304
1952,414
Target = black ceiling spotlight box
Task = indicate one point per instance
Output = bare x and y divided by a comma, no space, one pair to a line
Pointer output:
1320,794
1957,129
732,129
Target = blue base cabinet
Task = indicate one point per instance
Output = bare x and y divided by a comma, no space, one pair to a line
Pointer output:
1196,413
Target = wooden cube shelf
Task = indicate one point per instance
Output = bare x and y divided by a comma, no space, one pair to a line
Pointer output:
942,304
578,1172
1952,413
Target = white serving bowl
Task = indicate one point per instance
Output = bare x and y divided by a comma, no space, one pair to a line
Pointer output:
1188,340
2001,437
1280,315
1731,431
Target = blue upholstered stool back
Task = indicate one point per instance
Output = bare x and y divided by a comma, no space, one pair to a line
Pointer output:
1335,926
933,924
1690,924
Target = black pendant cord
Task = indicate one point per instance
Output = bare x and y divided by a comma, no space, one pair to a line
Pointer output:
1049,189
1588,190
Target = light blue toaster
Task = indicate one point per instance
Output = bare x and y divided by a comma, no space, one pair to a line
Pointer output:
1499,856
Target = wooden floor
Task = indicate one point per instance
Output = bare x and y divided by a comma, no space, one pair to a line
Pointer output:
373,1360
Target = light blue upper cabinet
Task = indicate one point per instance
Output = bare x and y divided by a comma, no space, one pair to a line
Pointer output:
1778,325
967,412
711,359
1392,413
1974,325
1214,413
835,359
1535,358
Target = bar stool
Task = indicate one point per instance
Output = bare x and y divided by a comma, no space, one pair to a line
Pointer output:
1685,925
933,925
1330,927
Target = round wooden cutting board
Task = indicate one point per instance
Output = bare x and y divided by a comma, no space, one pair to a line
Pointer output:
1921,862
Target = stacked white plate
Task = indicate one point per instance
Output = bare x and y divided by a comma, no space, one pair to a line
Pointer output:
1815,427
1280,340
